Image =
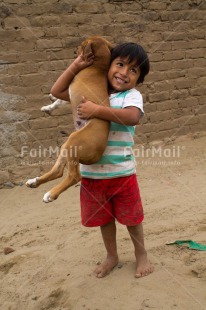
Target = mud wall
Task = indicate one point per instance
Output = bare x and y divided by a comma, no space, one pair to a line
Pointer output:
39,39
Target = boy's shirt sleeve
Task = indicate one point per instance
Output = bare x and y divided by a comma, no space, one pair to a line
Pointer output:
134,99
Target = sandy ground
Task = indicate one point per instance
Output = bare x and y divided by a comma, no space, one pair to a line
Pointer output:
51,267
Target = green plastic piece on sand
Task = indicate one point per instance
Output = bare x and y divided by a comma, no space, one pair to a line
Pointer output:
191,244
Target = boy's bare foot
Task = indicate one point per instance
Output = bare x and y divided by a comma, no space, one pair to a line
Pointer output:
144,268
106,266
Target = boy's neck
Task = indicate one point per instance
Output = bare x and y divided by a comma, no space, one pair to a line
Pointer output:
112,91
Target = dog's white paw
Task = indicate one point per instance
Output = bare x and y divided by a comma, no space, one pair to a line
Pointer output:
46,108
32,182
47,198
52,98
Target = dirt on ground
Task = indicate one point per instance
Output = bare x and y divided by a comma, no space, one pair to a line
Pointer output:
53,260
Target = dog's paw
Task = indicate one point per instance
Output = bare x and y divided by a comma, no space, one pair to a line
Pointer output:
46,108
47,198
52,98
32,182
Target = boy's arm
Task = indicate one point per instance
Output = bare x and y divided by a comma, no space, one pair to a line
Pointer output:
128,116
60,87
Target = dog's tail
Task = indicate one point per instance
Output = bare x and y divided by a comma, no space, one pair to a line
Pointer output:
64,133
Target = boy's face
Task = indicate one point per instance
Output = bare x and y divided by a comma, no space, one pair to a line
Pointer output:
123,75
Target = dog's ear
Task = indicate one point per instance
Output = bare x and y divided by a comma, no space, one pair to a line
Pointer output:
87,48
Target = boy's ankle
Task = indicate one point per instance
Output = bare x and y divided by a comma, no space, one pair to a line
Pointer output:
140,252
112,256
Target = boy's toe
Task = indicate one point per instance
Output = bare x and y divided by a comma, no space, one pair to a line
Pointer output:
138,275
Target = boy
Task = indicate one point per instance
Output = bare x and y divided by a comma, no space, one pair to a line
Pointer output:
109,188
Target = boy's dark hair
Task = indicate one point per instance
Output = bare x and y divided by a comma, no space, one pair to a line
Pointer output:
134,52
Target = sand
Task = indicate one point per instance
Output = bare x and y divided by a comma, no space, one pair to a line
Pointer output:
54,258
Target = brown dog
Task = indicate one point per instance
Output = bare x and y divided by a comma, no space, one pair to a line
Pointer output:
87,144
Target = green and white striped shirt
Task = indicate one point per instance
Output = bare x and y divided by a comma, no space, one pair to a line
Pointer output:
117,159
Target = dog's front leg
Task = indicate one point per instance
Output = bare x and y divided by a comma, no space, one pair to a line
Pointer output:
50,107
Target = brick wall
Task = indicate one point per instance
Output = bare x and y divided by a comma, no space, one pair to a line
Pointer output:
38,40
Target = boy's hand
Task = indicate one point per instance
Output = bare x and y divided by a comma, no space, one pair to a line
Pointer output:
84,61
87,109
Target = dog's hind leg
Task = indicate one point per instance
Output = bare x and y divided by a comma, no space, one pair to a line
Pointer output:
71,150
69,154
55,173
72,178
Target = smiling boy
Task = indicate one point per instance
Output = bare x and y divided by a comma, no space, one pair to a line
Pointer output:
109,188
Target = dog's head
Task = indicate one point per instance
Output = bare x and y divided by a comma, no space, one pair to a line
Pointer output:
100,47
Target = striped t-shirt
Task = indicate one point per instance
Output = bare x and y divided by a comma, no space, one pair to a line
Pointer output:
117,159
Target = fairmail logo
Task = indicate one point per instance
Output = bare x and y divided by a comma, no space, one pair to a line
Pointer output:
154,151
42,152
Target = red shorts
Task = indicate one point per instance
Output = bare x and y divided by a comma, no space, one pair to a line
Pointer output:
104,200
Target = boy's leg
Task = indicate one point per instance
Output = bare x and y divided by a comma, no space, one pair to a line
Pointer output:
143,265
109,237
